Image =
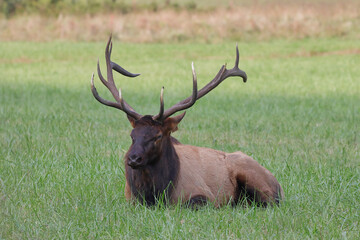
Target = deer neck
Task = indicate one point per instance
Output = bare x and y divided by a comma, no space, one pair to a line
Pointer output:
157,180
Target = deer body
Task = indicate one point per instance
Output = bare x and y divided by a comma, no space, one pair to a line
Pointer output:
195,174
157,165
221,177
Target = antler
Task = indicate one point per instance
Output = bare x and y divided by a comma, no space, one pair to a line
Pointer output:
110,84
188,102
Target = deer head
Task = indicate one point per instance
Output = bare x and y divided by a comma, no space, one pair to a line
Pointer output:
151,132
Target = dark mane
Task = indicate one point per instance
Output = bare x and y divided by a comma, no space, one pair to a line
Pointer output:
157,180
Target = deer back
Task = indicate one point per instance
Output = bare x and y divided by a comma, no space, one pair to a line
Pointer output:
222,177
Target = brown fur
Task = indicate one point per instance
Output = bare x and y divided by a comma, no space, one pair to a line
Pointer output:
192,174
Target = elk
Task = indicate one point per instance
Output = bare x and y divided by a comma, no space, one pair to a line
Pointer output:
157,165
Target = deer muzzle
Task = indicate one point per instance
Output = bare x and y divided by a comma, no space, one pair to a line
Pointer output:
135,161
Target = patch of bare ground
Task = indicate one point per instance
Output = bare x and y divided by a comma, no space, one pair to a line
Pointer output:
294,20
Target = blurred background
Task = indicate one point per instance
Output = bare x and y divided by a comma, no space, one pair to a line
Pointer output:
208,21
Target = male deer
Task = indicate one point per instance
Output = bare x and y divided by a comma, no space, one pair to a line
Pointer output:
157,165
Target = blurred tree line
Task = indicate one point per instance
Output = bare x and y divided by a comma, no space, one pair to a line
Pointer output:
54,7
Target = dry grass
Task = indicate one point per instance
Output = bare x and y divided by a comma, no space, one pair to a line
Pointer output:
255,22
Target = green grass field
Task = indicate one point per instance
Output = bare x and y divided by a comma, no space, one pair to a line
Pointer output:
61,168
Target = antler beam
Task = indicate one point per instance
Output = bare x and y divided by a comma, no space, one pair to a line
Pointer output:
110,84
220,76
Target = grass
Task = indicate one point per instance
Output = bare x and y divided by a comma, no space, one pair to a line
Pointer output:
62,176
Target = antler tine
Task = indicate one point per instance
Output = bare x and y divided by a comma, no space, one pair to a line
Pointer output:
182,105
110,50
115,66
100,75
126,108
161,112
237,57
110,84
122,71
220,76
100,99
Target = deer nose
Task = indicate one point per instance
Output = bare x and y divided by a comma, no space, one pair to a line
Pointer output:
134,161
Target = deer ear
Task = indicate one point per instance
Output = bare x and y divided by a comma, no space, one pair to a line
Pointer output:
170,124
131,120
